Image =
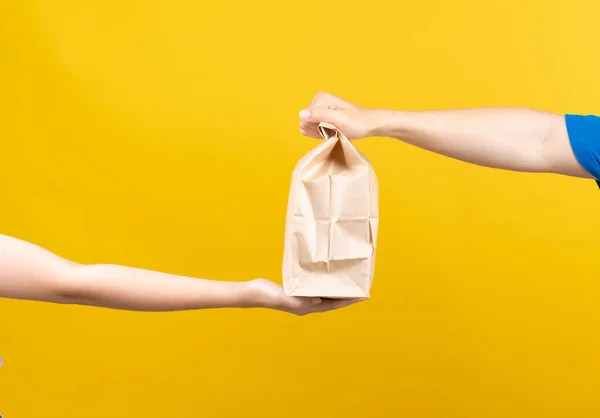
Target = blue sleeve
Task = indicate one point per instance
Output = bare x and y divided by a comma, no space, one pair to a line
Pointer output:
584,134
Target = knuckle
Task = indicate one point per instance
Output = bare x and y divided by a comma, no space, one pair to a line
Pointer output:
319,97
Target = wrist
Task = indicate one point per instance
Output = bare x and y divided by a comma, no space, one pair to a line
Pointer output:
384,122
253,294
230,294
246,295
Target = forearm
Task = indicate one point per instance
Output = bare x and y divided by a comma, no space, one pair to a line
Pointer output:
143,290
30,272
506,138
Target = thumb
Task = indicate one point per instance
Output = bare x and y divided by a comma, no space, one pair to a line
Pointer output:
320,114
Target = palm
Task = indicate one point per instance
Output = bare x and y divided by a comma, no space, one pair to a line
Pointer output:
271,295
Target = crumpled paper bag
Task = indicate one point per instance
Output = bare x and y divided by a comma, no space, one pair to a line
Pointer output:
332,221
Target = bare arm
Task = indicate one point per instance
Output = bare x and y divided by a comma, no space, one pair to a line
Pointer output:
507,138
30,272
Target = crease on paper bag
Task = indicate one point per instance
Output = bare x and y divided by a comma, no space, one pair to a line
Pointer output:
332,221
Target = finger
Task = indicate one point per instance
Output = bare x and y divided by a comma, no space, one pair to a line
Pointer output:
327,99
309,129
319,114
298,303
317,97
332,304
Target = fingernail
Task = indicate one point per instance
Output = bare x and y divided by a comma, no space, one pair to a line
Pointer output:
304,114
316,301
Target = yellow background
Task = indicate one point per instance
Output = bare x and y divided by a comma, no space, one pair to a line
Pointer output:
162,135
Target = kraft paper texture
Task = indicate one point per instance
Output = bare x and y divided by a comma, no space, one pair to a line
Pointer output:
332,221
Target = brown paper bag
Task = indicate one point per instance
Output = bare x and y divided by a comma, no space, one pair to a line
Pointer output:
332,221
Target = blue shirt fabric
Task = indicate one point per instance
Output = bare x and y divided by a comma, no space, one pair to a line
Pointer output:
584,134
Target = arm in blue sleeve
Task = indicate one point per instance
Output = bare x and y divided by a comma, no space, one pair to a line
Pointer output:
584,135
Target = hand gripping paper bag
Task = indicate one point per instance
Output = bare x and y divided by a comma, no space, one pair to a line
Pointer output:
332,221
